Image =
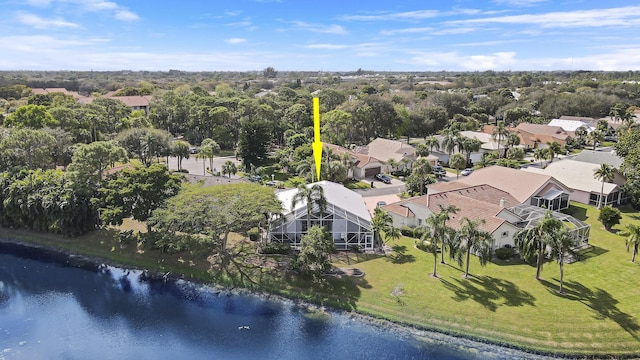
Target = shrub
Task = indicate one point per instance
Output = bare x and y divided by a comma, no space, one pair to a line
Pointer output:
504,253
609,216
275,248
253,234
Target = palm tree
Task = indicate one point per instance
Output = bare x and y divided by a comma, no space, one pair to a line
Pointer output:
393,165
437,225
313,196
471,238
422,150
594,138
554,149
307,169
581,134
349,162
471,145
560,246
633,239
512,140
450,140
604,173
533,241
229,168
458,162
180,149
432,142
209,149
433,249
500,131
540,154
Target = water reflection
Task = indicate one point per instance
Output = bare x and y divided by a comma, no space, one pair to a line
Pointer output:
48,311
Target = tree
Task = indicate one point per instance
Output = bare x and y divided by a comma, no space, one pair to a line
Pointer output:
609,216
422,150
30,116
313,197
421,175
209,149
145,144
471,238
633,240
180,149
470,145
216,211
432,142
229,168
436,224
540,154
427,237
604,173
254,142
450,140
315,247
532,242
137,193
382,223
26,149
458,162
553,149
581,134
89,161
561,245
269,72
500,132
595,137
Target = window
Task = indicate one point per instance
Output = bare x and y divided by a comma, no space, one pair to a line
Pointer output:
505,234
419,222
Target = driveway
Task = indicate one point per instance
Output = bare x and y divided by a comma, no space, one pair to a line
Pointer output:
195,165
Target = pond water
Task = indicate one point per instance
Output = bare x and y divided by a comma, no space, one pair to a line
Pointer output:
52,311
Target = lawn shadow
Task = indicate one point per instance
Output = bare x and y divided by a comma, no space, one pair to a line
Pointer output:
577,212
514,260
400,256
489,292
591,252
603,305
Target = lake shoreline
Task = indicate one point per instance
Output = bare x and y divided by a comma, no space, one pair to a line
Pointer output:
30,249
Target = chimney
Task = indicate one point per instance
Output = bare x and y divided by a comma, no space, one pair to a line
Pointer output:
503,202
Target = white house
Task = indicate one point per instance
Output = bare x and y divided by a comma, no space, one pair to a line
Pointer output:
346,218
579,177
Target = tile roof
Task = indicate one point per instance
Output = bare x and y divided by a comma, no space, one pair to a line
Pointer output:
576,175
600,157
385,149
361,159
469,208
520,184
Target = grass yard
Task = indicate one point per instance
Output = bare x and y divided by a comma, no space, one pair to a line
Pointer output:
599,314
502,302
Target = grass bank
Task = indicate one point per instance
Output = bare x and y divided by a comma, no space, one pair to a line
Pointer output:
502,302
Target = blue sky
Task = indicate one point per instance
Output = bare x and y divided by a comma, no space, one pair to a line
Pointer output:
330,35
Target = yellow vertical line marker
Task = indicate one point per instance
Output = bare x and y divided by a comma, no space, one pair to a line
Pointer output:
317,144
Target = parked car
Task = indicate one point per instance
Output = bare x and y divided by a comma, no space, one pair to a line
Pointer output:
381,203
193,150
384,178
439,171
255,178
466,172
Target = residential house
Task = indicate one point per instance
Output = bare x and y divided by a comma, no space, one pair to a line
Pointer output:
579,177
600,157
135,102
374,158
571,123
482,202
533,136
346,218
527,188
501,214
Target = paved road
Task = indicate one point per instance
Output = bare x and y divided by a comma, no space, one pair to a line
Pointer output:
195,165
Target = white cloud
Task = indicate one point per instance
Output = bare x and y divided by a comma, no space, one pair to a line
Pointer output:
235,41
40,23
319,28
397,16
519,2
407,31
621,17
327,46
126,15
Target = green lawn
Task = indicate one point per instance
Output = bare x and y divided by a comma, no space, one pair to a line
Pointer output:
599,314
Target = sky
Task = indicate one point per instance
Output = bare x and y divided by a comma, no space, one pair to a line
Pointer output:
329,35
